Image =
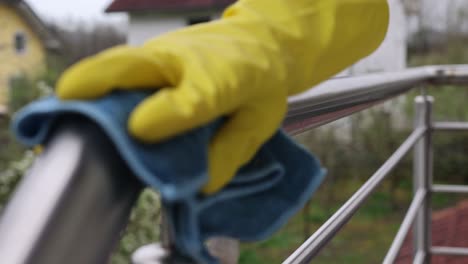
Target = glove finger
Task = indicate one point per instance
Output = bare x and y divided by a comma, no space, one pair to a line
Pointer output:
239,140
170,112
118,68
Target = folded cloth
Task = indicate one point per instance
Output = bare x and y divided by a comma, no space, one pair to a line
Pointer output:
263,195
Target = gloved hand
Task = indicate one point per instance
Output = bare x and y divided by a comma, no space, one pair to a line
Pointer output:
243,66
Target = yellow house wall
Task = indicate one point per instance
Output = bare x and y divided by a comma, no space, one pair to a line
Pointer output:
29,62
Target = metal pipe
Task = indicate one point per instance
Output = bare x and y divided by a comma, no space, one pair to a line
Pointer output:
442,188
453,251
326,232
341,97
448,74
423,176
450,126
405,227
72,205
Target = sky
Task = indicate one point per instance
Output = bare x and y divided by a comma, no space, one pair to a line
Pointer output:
63,10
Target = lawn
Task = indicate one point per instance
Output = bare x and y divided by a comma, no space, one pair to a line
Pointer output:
365,239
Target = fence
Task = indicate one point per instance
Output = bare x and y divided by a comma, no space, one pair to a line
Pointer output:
74,202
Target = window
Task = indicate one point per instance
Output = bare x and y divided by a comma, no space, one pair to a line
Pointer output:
198,20
20,42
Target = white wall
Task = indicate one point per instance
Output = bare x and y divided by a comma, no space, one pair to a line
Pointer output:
145,27
392,54
142,28
389,57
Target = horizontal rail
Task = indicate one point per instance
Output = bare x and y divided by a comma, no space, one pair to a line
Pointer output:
327,231
405,227
72,205
341,97
452,251
443,188
450,126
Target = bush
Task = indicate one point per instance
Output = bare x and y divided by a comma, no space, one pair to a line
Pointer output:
142,229
10,177
24,90
14,158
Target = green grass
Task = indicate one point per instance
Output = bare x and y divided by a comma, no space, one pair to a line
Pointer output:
365,239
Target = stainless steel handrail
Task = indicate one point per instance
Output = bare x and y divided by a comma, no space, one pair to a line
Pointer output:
79,194
73,203
342,97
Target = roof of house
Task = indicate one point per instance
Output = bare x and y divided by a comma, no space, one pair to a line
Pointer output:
49,40
449,228
167,5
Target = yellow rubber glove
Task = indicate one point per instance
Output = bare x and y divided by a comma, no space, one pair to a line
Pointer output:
243,66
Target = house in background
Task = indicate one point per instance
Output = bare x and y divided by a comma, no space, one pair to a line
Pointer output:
24,41
150,18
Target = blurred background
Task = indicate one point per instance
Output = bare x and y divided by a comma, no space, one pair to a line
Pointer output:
41,38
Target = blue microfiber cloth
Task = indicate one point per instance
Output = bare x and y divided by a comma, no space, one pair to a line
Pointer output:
263,195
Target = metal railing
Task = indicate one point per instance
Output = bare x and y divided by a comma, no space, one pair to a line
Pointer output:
73,204
419,213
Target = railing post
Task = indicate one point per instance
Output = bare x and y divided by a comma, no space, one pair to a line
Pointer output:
422,179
